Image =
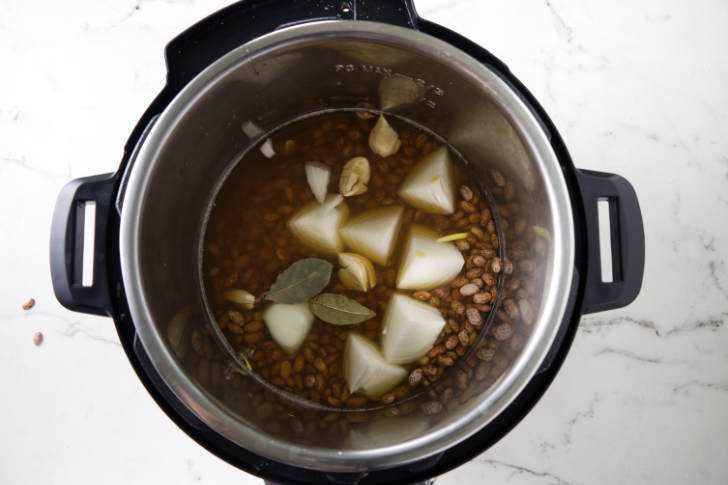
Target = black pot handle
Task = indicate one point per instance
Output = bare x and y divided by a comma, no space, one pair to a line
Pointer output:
627,240
211,38
67,240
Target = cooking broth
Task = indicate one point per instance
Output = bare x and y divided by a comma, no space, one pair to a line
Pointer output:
248,244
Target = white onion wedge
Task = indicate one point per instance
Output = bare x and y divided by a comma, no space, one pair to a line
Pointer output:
431,184
317,176
267,148
365,369
288,324
427,263
374,233
357,272
409,329
317,225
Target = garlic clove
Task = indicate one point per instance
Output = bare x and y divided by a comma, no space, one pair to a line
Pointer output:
409,329
241,298
288,324
374,233
431,184
354,177
365,369
383,139
317,225
317,176
427,263
357,272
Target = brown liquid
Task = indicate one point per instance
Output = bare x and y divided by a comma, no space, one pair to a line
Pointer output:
247,244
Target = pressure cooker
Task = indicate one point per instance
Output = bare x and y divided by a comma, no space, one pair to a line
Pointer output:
273,61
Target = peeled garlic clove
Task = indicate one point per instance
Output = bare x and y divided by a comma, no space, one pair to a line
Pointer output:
354,177
409,329
317,225
241,298
317,176
365,368
431,184
288,324
427,263
374,233
357,272
383,140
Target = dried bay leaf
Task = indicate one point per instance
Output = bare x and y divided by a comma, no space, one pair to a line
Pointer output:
339,310
301,281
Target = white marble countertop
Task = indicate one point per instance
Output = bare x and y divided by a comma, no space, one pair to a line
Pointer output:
636,88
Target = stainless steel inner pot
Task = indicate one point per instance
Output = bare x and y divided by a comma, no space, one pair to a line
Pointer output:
270,81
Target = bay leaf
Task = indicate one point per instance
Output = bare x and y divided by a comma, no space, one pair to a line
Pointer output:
301,281
339,310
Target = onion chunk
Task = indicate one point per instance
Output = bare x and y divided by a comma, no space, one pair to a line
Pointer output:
409,329
427,263
374,233
430,185
288,324
365,369
317,225
317,176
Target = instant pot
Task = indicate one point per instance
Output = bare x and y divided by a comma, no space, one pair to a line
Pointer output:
270,62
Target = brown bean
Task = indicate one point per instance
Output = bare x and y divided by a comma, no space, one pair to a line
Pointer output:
422,295
415,377
467,206
498,177
485,354
474,317
285,371
481,298
481,372
468,289
464,337
459,281
320,365
526,311
387,398
435,351
451,342
254,326
495,265
477,231
356,402
253,338
310,380
458,307
474,273
478,260
445,361
503,331
430,370
431,407
466,193
461,379
462,245
511,308
298,363
441,292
